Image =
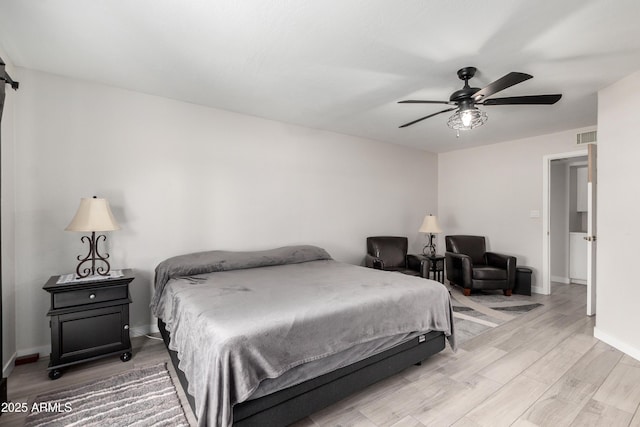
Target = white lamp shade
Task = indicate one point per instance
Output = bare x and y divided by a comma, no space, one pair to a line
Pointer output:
430,225
93,215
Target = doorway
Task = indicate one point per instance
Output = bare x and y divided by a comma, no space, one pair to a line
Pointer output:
566,220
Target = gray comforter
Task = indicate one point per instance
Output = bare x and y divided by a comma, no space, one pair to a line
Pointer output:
238,318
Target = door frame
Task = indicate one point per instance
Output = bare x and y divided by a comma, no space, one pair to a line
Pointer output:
545,289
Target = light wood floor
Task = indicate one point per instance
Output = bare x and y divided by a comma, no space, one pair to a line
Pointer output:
544,368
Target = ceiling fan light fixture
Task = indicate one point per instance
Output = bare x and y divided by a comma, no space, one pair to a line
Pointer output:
466,119
466,116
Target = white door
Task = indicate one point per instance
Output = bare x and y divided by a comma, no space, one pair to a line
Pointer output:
591,231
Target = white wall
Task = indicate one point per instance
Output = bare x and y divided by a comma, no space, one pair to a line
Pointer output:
8,224
492,190
183,178
618,292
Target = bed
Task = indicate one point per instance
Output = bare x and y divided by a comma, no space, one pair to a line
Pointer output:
266,338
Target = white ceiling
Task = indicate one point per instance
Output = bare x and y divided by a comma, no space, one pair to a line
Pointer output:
340,65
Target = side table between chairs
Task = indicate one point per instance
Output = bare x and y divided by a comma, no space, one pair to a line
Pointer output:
432,265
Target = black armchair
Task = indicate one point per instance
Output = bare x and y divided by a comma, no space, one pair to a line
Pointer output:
390,253
469,265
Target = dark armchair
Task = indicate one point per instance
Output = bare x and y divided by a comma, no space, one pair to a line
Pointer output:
390,253
470,266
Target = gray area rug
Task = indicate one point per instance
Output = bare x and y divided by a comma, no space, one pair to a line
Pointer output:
142,397
485,310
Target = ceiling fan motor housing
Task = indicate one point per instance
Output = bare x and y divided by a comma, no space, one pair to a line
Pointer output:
463,95
466,92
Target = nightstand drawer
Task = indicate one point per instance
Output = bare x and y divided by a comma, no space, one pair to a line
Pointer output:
89,296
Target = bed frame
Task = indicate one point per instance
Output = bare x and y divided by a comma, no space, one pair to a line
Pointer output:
294,403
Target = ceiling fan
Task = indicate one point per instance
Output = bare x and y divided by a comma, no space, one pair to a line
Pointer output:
465,100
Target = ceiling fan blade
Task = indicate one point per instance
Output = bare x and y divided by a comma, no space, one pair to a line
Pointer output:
502,83
416,101
426,117
524,100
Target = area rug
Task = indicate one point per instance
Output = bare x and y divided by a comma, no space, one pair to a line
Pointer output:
141,397
485,310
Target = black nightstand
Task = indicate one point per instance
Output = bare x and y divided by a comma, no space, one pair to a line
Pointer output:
433,264
89,320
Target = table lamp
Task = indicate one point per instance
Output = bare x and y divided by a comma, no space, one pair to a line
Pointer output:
93,215
431,227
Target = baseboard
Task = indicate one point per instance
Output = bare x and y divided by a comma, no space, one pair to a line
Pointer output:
43,351
578,282
615,342
8,367
138,331
538,290
560,279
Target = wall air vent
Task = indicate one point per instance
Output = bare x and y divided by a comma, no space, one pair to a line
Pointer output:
587,137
